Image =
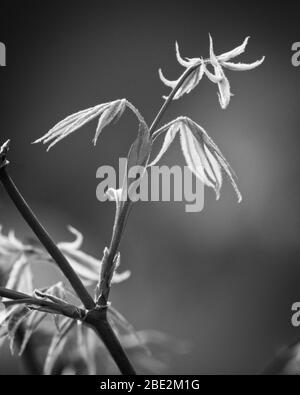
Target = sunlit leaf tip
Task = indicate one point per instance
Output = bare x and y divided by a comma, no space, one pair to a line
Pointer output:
107,113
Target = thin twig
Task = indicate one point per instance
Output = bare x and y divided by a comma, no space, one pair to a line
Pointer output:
45,239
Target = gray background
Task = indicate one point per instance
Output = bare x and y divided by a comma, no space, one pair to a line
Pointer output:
224,279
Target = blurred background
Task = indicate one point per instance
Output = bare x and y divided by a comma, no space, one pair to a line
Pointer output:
223,279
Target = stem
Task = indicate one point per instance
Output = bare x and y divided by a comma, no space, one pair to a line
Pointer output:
104,329
166,104
67,310
97,320
31,363
116,239
120,226
45,239
30,360
10,294
96,317
284,363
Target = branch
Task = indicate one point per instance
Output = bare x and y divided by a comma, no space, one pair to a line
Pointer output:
97,320
66,309
166,104
43,235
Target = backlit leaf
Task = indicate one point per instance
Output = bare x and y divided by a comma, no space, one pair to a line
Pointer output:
57,345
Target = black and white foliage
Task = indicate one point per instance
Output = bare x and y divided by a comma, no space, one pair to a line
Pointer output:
80,327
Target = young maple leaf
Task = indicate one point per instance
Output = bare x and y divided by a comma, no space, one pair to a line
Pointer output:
200,68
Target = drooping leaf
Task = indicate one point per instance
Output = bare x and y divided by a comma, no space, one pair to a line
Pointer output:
172,130
107,113
57,345
164,349
70,125
213,151
16,318
202,155
224,93
201,66
106,274
4,315
114,111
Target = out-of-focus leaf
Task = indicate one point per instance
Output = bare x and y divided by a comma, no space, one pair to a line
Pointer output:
4,315
31,325
286,362
243,66
191,81
113,112
224,93
85,265
3,152
85,351
57,345
120,321
20,278
164,349
16,318
158,339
